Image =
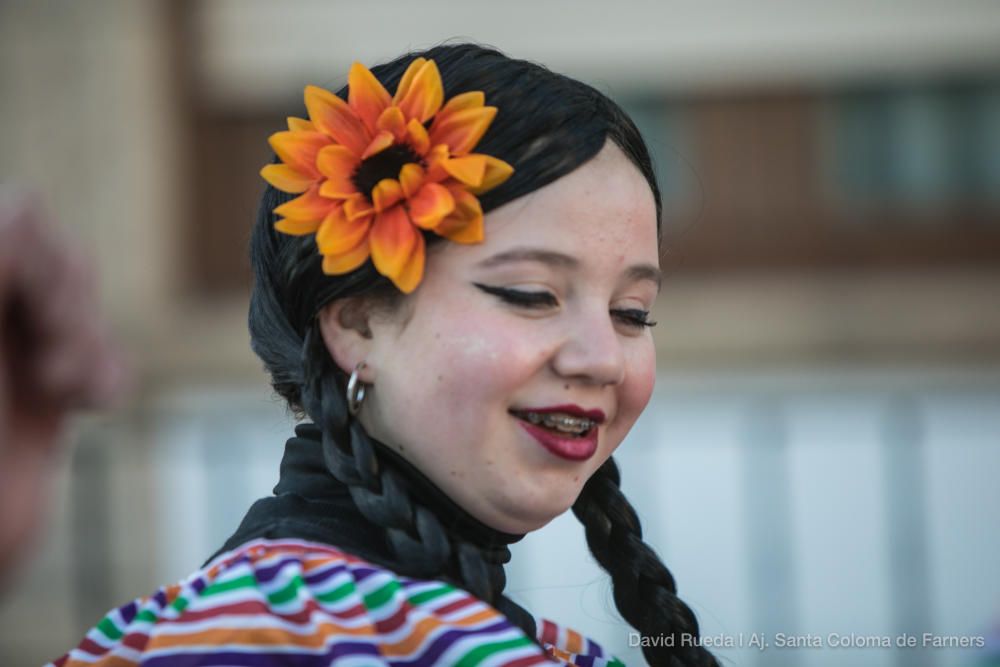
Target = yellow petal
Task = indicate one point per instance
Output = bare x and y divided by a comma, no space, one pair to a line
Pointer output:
417,135
465,225
286,178
357,206
366,95
347,261
435,159
431,205
337,164
386,193
337,189
392,120
411,177
381,141
413,271
462,130
466,232
310,206
298,149
296,227
392,239
300,125
334,117
407,80
469,100
337,234
497,171
469,169
424,94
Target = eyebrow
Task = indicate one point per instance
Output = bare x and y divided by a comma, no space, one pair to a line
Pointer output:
634,273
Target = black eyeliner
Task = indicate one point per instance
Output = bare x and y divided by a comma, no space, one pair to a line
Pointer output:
519,297
633,317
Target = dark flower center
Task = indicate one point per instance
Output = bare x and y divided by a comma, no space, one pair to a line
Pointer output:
385,164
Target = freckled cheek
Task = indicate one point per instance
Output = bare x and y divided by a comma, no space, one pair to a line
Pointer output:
638,387
481,361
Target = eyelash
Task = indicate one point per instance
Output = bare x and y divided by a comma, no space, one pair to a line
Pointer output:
633,317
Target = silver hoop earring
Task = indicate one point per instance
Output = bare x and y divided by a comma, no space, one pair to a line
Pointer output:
355,390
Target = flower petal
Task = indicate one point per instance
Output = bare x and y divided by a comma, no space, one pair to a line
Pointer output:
296,227
465,225
286,178
462,130
347,261
334,117
417,135
393,238
470,100
298,149
435,159
392,120
411,177
469,169
337,189
357,206
407,80
386,193
310,206
381,141
337,163
413,270
431,205
338,235
497,171
424,93
300,125
366,95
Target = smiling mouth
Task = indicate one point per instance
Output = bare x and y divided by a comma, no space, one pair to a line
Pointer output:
569,437
559,423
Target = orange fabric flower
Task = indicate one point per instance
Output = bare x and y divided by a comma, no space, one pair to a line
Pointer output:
371,173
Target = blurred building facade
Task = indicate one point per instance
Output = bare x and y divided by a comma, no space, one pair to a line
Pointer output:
821,451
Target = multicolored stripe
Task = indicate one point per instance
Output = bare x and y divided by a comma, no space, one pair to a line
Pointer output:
293,602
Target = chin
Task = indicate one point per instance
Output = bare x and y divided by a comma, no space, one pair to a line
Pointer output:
526,513
519,525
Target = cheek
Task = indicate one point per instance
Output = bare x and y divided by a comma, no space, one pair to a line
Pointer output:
472,359
469,374
638,386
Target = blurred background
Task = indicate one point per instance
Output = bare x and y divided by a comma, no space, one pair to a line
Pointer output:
822,451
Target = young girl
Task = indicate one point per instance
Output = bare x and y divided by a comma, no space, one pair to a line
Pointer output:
454,266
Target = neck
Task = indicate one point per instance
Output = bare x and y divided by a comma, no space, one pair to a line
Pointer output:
309,477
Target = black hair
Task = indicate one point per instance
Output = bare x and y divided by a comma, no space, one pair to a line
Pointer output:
547,126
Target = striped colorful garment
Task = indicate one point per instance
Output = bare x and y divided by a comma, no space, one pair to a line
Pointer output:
292,602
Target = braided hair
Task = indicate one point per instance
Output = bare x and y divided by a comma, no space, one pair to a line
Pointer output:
548,126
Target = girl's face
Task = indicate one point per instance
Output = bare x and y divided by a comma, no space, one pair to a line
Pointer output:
545,317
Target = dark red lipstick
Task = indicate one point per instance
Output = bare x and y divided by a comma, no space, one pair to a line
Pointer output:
570,447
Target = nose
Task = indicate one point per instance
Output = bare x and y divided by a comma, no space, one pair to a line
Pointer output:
591,351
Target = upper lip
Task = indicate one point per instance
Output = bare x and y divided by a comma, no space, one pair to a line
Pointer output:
597,416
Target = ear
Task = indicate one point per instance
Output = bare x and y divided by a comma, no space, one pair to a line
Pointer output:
344,324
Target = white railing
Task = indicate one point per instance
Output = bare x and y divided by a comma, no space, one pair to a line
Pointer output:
806,504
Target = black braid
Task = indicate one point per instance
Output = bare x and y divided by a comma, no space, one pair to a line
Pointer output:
422,546
644,590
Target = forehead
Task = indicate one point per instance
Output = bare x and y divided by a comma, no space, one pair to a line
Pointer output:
603,209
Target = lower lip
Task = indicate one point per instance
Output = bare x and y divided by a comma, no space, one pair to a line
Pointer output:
572,449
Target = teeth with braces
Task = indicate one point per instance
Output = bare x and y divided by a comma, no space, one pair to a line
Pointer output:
564,423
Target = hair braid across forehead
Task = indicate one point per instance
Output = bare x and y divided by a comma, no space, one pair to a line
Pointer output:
421,545
644,590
